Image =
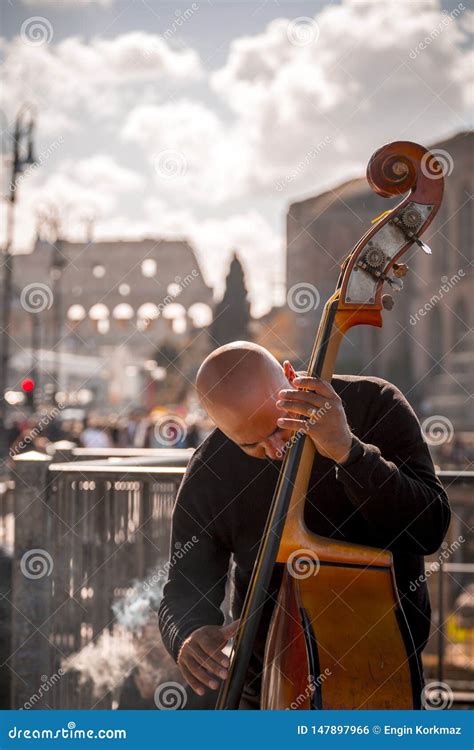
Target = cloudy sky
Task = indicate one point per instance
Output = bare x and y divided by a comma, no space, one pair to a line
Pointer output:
206,119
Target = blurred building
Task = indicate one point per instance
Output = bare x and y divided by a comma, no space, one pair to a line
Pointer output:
116,308
276,332
427,354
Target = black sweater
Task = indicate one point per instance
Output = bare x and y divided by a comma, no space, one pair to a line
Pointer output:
389,497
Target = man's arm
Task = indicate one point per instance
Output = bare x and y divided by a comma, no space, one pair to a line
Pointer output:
198,562
389,476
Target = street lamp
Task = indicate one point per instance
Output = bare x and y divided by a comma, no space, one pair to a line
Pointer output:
22,157
50,219
49,227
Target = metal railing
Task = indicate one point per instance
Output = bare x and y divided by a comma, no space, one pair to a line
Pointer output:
449,654
85,531
7,506
91,551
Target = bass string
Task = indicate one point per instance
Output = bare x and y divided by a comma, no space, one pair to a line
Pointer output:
288,473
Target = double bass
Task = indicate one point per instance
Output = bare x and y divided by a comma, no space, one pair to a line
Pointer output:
338,637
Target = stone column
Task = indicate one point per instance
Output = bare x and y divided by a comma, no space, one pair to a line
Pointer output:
31,582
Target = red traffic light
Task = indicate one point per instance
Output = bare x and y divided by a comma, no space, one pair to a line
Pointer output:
28,385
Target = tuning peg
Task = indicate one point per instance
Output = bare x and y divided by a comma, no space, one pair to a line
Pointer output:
395,284
400,270
426,249
387,301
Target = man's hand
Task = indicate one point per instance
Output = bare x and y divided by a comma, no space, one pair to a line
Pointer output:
201,659
325,422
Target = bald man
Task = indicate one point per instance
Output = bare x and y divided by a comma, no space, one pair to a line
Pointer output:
372,483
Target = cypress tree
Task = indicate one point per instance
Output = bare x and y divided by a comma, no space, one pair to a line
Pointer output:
232,314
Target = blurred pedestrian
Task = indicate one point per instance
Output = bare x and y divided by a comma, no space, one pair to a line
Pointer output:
95,434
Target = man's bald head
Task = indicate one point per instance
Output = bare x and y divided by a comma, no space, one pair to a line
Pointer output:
238,385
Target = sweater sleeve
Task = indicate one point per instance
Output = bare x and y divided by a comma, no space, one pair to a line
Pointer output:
391,479
199,562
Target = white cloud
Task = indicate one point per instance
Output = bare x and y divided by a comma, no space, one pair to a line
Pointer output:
186,126
278,120
73,78
212,158
356,83
258,246
304,116
103,173
91,187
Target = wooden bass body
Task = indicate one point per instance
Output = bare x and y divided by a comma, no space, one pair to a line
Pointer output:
338,638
